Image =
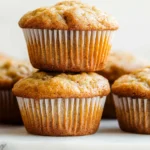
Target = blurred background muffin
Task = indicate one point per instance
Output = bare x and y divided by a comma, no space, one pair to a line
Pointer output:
59,104
119,63
69,36
11,70
132,101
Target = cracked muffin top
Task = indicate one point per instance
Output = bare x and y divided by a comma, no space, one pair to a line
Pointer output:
11,71
120,63
136,84
68,15
55,85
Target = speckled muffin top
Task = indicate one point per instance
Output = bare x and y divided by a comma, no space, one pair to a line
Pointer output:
11,71
68,15
120,63
51,85
136,84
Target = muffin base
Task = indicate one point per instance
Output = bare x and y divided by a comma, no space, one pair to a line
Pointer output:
62,116
64,50
133,114
109,108
9,110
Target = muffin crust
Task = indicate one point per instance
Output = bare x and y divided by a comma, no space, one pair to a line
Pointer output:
68,15
11,71
50,85
135,85
120,63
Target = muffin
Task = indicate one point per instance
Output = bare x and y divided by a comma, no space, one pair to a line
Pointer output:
10,72
69,36
132,101
61,104
119,63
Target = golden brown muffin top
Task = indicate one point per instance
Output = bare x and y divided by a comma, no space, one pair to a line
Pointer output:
68,15
11,71
55,85
120,63
136,84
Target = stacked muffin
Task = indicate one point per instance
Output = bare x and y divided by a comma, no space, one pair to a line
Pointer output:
11,71
69,37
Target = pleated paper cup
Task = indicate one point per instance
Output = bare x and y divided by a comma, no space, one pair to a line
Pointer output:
62,116
109,108
64,50
9,110
133,114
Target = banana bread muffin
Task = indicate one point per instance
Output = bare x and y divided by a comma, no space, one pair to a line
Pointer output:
69,36
62,104
132,101
10,72
119,63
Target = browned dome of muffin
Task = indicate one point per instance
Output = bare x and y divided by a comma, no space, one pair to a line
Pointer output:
136,84
11,71
61,85
120,63
68,15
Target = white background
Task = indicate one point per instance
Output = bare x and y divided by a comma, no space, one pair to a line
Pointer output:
133,17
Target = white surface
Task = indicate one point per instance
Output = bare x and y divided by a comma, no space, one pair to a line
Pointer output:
133,17
108,137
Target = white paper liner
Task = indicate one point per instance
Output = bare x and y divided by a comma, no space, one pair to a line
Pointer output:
62,116
9,110
64,50
133,114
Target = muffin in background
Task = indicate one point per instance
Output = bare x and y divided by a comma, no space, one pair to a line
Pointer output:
61,104
119,63
69,36
11,71
132,101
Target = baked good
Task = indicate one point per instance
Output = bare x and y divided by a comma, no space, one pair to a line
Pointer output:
10,72
132,96
69,36
119,63
59,104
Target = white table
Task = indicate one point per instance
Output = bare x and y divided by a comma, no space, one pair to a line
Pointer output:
108,137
